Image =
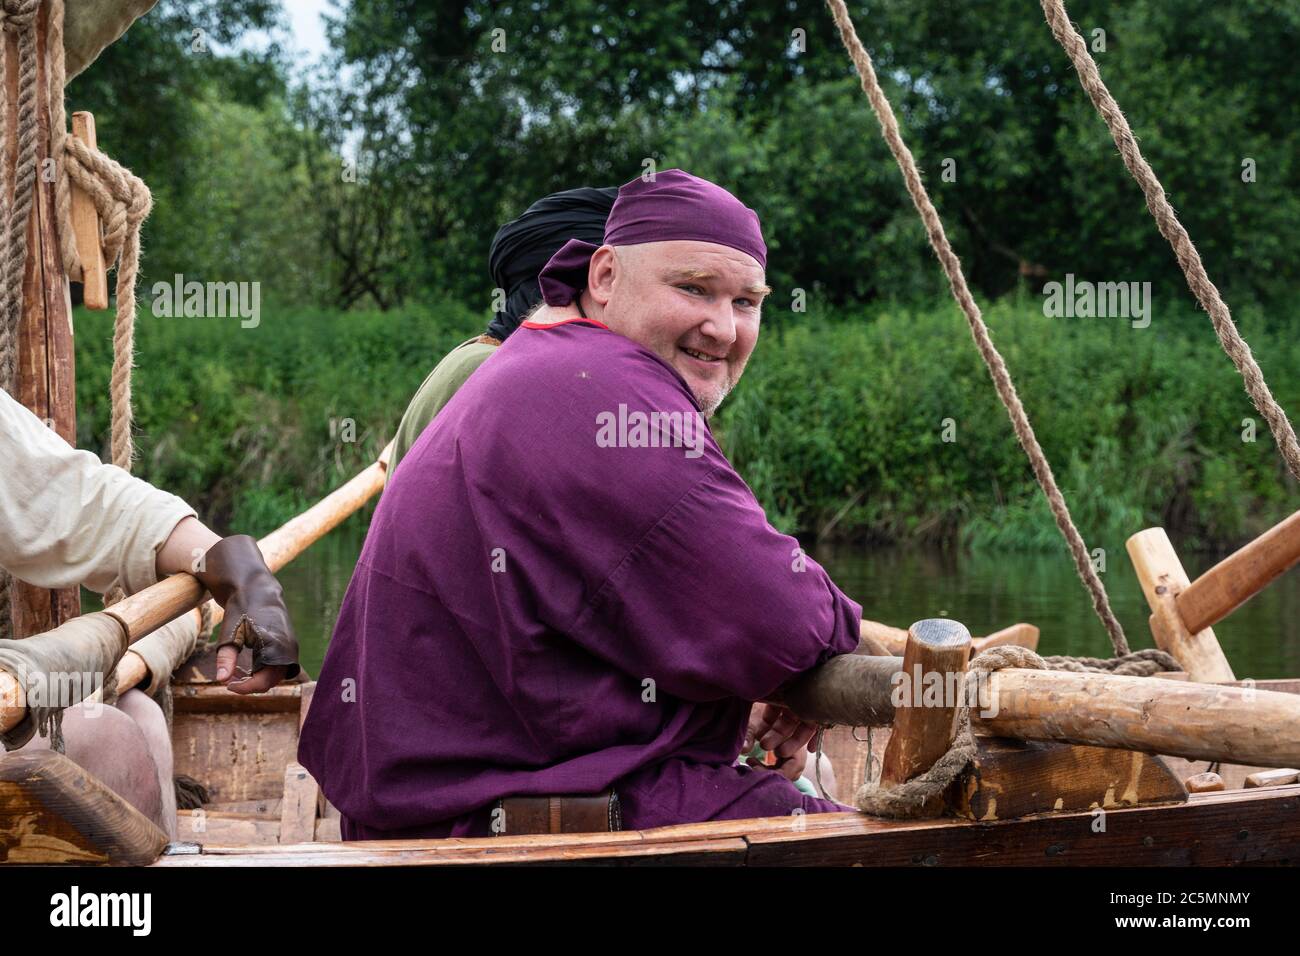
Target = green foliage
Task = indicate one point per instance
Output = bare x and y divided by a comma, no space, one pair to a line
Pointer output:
838,423
250,425
465,113
168,108
246,213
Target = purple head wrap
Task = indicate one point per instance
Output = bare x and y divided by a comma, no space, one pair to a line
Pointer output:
674,205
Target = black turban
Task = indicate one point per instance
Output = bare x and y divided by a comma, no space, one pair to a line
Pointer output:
521,247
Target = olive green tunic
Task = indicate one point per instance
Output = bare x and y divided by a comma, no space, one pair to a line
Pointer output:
438,388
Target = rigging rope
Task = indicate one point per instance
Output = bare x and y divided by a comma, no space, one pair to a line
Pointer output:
1006,389
121,199
1189,260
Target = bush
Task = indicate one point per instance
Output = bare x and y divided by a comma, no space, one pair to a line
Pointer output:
838,424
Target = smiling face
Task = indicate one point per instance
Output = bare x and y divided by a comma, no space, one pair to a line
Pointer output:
694,304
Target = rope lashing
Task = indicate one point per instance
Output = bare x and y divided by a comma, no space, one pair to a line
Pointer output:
908,799
16,16
1006,389
1189,259
1144,663
19,18
123,202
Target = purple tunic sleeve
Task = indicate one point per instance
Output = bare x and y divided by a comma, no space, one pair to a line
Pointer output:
713,602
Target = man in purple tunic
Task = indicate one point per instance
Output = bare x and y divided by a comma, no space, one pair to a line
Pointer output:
566,586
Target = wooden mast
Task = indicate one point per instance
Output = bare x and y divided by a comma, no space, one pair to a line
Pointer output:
46,383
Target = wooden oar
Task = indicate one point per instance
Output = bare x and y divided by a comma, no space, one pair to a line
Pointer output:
151,608
278,548
1163,579
1240,576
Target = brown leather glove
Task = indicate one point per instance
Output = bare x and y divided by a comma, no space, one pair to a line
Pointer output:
239,580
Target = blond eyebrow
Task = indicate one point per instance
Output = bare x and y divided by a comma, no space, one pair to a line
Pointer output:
677,275
702,275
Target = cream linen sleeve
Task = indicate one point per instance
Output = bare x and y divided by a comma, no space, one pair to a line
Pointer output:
67,519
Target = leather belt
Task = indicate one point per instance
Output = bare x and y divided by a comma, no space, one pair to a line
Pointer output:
563,813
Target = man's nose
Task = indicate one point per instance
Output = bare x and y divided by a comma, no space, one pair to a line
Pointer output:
720,324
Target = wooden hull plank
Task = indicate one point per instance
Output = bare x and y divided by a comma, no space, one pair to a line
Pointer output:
1211,829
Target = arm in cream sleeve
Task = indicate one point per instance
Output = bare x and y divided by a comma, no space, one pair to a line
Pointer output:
68,519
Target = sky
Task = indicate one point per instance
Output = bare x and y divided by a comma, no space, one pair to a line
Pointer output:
308,31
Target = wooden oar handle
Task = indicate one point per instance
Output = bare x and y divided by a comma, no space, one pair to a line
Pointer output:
149,609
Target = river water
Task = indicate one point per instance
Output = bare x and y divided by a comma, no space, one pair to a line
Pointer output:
898,586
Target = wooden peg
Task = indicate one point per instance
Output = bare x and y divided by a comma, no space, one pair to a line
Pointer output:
85,227
925,720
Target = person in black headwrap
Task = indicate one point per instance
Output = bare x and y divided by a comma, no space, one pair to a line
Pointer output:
519,251
523,246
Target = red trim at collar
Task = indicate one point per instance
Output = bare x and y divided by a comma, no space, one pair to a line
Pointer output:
555,325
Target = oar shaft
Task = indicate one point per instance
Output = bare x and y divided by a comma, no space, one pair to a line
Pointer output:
1240,576
154,606
149,609
1182,719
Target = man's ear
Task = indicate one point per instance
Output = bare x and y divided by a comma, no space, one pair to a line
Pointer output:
602,272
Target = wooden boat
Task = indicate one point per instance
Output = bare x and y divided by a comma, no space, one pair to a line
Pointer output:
1071,773
1029,801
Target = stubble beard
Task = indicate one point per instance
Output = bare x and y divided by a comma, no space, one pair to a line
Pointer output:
710,402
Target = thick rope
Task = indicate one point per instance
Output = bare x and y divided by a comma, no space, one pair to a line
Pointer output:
123,202
1143,663
992,358
18,16
58,137
121,199
1189,260
8,347
8,335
